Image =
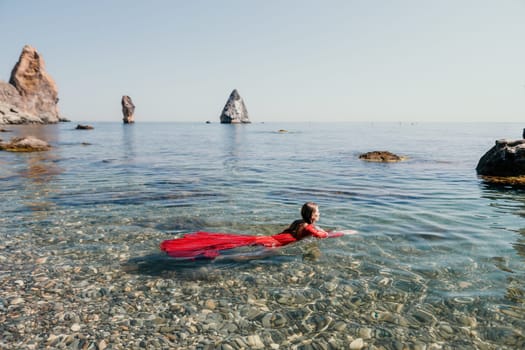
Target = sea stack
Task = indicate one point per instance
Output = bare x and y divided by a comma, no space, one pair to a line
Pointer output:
31,96
128,110
235,111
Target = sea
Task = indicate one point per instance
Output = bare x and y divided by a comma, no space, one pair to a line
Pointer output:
438,261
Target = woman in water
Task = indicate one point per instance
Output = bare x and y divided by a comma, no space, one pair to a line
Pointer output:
210,244
305,227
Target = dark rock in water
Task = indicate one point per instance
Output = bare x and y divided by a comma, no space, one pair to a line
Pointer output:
505,161
84,127
235,111
25,144
381,156
5,130
128,110
31,96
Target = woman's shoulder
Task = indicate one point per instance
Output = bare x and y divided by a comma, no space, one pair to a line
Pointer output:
295,226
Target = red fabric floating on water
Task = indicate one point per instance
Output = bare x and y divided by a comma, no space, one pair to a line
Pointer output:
209,244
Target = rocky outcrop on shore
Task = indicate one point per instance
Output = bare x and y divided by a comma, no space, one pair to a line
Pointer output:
504,162
381,156
31,96
235,111
128,110
25,144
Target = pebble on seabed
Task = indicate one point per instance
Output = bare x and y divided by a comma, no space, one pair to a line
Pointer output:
357,344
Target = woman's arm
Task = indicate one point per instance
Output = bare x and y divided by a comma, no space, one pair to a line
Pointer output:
311,230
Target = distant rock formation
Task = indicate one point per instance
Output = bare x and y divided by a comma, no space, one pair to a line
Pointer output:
505,159
235,111
84,127
381,156
128,110
25,144
31,96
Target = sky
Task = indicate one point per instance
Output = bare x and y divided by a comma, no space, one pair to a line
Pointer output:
290,60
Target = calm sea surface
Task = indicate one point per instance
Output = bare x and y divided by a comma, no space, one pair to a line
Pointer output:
439,261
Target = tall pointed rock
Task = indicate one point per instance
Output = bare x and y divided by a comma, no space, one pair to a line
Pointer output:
38,91
235,111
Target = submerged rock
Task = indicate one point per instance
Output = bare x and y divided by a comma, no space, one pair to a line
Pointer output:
31,96
25,144
504,162
128,110
235,111
381,156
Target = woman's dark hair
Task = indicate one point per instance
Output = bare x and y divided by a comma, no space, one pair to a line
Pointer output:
307,210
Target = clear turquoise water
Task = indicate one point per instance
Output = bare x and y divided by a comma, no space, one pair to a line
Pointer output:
428,227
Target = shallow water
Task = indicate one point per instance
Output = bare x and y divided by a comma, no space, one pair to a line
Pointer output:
438,261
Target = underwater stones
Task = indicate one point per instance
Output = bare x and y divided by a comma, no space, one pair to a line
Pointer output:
128,110
424,317
381,156
25,144
234,112
504,163
31,96
274,320
94,304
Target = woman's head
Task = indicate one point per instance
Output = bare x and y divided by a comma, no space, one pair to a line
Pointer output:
310,212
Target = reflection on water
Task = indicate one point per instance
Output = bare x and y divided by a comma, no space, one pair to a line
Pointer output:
128,140
39,168
511,200
508,200
234,147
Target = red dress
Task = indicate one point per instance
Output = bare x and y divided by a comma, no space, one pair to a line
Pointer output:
209,244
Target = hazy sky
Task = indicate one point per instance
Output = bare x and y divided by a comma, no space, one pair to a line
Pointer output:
384,60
